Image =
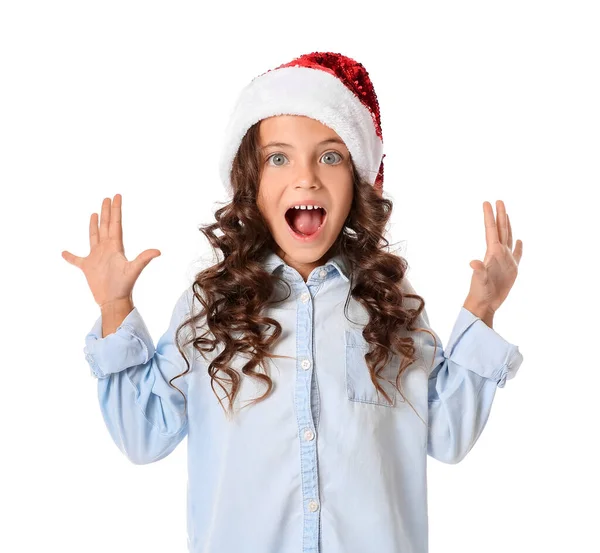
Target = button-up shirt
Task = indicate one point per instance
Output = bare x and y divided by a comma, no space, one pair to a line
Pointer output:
324,464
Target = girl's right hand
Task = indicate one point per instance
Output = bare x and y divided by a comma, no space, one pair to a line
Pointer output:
109,274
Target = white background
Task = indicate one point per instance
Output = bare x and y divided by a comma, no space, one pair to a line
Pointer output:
479,101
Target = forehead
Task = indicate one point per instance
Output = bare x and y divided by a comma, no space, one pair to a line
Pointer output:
295,130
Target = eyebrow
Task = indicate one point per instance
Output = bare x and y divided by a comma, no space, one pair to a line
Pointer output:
283,144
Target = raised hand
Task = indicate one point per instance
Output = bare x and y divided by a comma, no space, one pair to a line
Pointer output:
493,278
109,274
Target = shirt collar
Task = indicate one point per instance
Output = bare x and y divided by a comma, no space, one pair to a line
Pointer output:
272,261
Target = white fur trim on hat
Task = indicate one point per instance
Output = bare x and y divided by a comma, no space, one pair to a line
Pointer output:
314,93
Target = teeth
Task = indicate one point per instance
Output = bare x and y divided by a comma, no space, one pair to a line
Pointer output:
307,207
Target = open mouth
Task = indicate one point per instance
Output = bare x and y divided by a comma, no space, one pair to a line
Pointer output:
306,222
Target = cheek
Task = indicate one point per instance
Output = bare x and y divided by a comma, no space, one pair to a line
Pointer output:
267,204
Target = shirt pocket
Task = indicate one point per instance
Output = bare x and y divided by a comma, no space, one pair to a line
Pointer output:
358,380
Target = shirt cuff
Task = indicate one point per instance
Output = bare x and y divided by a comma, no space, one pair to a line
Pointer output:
479,348
130,345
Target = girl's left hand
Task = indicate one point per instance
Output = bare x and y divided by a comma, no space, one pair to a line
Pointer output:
493,279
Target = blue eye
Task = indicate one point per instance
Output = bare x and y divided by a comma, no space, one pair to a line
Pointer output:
283,155
330,153
273,155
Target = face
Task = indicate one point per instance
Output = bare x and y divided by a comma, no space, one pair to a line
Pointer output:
313,167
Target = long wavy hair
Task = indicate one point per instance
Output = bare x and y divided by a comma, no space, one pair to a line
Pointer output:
235,291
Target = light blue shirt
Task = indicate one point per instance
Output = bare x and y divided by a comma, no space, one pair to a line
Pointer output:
323,465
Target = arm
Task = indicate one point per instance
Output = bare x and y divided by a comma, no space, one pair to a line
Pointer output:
462,380
143,413
477,360
462,384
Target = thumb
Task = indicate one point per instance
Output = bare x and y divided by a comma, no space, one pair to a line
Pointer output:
72,259
477,265
144,258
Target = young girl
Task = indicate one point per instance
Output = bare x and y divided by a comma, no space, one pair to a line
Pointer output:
316,388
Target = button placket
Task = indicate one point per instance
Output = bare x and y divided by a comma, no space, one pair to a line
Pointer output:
306,406
308,434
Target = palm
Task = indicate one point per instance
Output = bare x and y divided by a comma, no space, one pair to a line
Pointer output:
107,263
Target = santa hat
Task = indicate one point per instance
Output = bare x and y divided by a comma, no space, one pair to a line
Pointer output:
329,87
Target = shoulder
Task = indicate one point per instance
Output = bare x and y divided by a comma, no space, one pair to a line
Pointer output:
406,286
413,303
426,341
188,304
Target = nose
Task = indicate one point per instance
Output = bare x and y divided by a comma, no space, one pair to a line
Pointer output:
306,175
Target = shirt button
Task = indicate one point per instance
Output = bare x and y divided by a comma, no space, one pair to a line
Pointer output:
304,297
323,273
309,434
313,505
305,364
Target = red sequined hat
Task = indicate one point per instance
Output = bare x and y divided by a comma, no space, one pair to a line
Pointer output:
329,87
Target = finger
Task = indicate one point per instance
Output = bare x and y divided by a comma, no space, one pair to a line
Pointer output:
491,230
477,265
509,242
116,230
72,259
93,230
144,258
104,219
518,253
501,221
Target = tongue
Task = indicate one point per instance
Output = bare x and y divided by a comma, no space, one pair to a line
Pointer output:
306,221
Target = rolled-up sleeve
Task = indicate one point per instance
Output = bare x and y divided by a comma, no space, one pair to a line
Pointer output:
462,383
143,413
130,345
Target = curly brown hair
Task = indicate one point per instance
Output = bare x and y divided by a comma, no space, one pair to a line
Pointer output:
235,291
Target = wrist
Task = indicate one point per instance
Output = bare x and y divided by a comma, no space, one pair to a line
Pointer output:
116,304
479,309
113,315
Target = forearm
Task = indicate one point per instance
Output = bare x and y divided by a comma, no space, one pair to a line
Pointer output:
144,413
463,379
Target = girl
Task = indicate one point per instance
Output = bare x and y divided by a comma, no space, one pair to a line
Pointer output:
316,388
